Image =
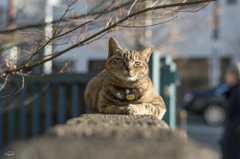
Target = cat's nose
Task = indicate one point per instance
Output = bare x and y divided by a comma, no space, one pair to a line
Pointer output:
128,68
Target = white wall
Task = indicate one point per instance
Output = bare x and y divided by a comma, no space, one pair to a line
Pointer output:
97,50
196,42
230,29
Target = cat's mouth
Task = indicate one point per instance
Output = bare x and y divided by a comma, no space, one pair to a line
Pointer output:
128,75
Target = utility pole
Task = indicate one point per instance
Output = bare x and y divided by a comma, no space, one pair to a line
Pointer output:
144,36
214,70
11,24
11,14
147,30
47,67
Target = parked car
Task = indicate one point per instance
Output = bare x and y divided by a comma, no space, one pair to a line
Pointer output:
210,103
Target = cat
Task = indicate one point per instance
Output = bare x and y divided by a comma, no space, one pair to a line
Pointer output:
124,86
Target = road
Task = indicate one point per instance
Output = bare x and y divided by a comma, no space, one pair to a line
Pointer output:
198,130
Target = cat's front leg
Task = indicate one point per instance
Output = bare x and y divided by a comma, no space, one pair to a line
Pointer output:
112,109
145,109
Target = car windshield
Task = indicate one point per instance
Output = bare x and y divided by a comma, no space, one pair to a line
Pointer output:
221,89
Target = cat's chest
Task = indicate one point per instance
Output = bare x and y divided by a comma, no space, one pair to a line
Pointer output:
126,94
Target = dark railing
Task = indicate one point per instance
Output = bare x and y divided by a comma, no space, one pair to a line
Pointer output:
51,100
43,102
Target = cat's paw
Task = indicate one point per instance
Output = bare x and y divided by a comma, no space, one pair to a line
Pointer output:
131,109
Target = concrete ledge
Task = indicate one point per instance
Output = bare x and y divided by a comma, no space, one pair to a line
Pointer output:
104,136
113,126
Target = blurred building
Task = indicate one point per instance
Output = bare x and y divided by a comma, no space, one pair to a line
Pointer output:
195,59
189,40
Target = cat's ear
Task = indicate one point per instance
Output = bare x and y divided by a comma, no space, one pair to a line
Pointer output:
113,46
146,53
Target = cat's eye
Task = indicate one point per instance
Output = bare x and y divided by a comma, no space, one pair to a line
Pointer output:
138,63
120,60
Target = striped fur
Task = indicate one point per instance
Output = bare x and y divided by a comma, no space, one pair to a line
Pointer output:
106,92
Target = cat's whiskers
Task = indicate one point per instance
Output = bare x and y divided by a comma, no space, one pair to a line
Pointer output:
137,83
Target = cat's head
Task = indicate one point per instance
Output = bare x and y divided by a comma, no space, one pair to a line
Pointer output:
127,65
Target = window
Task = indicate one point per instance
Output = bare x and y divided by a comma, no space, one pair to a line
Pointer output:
232,1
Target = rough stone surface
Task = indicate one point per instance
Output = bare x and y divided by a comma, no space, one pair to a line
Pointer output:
114,126
104,136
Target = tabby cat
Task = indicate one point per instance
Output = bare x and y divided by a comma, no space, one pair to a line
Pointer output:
124,87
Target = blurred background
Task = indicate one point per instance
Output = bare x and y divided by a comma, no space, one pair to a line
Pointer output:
192,53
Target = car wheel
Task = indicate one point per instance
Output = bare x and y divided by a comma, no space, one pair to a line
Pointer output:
214,115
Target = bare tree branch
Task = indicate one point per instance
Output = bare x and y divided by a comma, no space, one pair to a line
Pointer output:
32,59
56,21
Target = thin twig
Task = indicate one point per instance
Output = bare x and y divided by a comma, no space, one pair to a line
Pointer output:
5,81
144,26
131,7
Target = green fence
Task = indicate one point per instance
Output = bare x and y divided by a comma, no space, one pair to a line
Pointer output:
51,100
